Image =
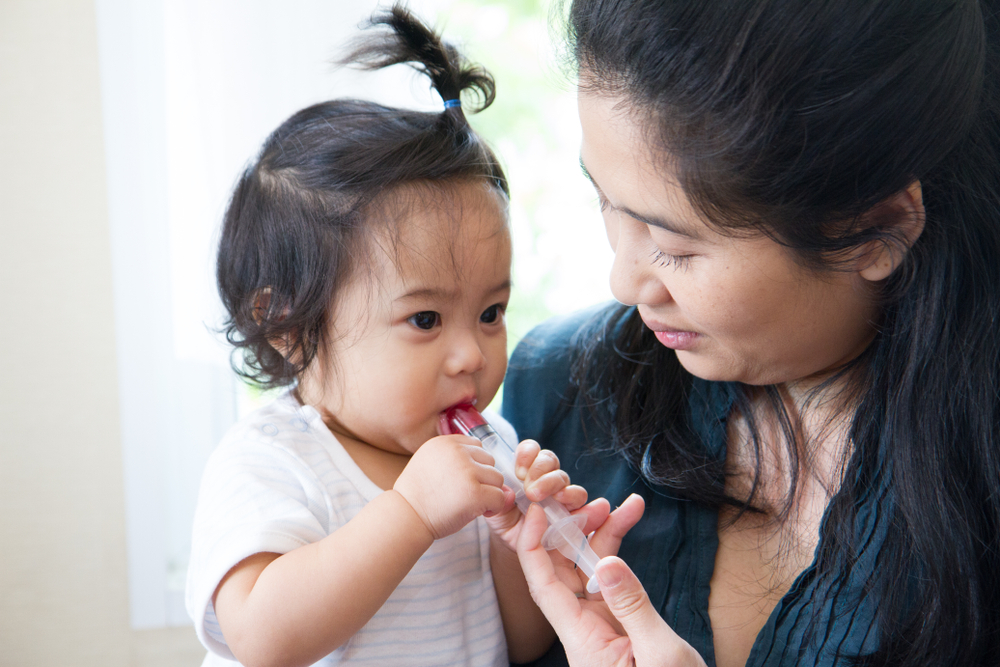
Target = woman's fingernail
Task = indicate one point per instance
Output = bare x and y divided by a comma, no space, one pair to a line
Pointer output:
609,577
521,472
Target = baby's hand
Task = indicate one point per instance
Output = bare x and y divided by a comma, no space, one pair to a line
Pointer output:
450,481
543,478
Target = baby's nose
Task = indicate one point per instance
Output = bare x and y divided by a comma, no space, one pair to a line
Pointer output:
465,355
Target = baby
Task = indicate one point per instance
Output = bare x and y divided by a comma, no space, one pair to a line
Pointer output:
365,262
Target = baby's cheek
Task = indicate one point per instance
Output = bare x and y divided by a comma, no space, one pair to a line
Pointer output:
496,367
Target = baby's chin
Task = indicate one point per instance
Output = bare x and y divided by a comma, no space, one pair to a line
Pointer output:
415,440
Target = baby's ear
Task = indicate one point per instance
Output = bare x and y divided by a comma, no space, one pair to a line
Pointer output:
262,312
902,217
261,303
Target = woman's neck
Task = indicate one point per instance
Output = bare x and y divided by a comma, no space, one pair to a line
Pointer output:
802,445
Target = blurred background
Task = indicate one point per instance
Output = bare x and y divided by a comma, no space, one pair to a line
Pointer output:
124,124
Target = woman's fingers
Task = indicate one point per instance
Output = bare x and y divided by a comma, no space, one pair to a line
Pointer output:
557,601
597,512
608,535
653,641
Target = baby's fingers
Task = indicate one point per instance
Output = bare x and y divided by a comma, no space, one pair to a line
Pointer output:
572,497
480,455
545,461
508,505
485,471
486,474
550,483
524,456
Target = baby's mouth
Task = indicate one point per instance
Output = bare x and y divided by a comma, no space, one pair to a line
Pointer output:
444,425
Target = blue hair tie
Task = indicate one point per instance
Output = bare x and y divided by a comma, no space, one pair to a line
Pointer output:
448,104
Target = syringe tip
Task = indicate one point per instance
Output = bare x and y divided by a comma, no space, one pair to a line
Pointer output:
463,418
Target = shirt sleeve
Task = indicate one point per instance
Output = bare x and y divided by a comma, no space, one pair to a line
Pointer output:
255,497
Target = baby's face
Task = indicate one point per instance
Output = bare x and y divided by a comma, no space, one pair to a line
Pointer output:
424,328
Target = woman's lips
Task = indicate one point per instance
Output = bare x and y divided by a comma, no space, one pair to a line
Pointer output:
676,340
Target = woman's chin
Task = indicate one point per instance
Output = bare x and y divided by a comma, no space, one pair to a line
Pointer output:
707,368
715,369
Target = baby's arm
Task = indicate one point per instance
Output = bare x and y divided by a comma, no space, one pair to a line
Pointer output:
295,608
527,631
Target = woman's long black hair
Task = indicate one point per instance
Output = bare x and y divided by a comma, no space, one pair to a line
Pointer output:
792,117
300,214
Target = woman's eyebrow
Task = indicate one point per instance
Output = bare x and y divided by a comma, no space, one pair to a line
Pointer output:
662,223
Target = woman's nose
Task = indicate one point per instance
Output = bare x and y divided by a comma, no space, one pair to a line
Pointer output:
465,354
633,277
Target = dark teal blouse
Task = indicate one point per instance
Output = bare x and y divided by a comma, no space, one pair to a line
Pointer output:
822,620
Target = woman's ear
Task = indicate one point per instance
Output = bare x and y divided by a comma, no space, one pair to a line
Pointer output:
902,217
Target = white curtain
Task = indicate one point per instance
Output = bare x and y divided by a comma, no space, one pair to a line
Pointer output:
190,89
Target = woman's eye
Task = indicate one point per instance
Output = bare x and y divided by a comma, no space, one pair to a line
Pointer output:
491,314
426,320
661,258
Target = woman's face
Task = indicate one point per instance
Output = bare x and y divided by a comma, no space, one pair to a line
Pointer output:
734,309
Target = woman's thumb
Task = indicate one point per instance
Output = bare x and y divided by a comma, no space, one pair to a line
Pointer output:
626,598
653,641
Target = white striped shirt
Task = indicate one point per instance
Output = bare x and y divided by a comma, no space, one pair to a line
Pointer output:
279,480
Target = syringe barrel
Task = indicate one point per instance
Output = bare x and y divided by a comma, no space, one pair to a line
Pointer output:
568,538
565,531
503,457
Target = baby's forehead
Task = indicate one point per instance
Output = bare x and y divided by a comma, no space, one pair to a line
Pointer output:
449,227
441,203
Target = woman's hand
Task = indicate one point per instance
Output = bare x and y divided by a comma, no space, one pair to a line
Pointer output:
621,629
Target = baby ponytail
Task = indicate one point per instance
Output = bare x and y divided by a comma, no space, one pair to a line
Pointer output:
408,41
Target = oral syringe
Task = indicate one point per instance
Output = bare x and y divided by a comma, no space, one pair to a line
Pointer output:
565,531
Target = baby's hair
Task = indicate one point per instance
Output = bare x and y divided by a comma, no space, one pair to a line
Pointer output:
412,43
302,212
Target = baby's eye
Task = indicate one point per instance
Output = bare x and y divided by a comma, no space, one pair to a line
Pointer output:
492,314
425,319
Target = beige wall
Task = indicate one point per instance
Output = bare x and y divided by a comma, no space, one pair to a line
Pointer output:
63,597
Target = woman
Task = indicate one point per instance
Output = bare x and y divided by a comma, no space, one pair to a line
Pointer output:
802,382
